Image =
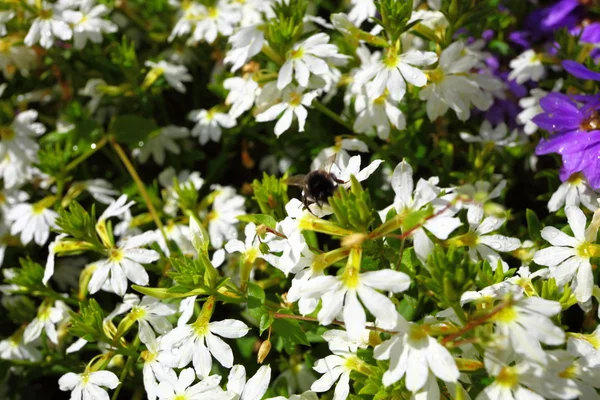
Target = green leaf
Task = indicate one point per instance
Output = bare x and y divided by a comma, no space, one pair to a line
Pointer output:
132,129
290,331
87,324
533,225
259,219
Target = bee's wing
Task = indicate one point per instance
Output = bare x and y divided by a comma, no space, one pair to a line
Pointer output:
296,180
330,161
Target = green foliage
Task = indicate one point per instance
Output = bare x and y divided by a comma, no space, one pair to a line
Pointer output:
287,27
352,208
271,196
394,17
290,332
29,276
257,308
259,219
132,129
79,224
87,324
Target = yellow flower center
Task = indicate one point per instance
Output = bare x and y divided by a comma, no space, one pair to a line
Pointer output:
148,356
85,377
116,255
295,99
201,327
297,54
251,255
588,250
390,59
508,377
507,315
180,397
570,373
213,12
437,75
46,13
38,209
6,133
212,215
576,178
417,333
5,45
351,278
137,313
592,123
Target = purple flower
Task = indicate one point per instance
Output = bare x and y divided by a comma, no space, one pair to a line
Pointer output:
563,13
577,137
580,71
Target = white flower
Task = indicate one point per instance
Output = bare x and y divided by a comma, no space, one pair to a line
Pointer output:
245,44
485,246
250,248
569,257
573,192
292,101
198,340
223,217
5,16
452,85
188,15
497,136
158,366
220,18
528,65
47,317
123,263
531,107
307,58
308,395
392,71
14,171
19,140
566,369
33,221
163,139
184,178
88,23
335,368
14,348
182,388
410,199
524,381
101,190
526,322
49,24
345,171
585,346
115,209
209,123
14,57
340,149
91,90
413,352
340,296
242,93
480,195
256,386
150,314
361,11
379,115
175,75
87,386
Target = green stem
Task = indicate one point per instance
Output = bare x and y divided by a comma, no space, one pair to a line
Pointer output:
325,110
368,140
142,189
126,368
95,147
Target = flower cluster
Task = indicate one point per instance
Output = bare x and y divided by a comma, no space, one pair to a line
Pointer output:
152,243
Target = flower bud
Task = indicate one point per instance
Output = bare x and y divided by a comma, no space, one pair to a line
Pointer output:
263,351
